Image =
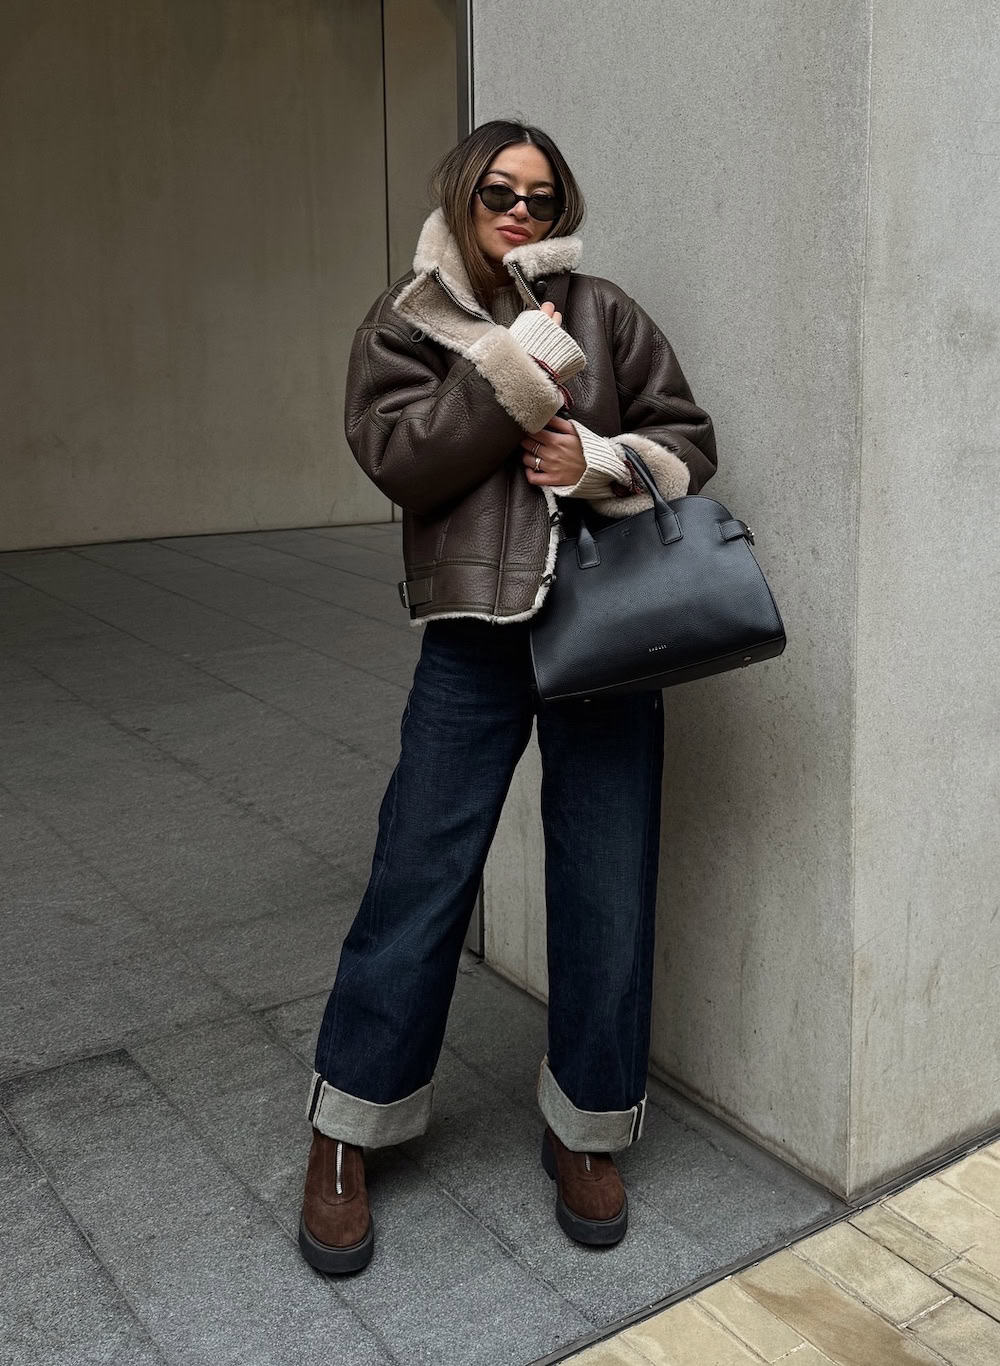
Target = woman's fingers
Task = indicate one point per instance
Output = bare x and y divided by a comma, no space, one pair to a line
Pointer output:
549,307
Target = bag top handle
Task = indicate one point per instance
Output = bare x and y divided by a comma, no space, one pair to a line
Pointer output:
667,523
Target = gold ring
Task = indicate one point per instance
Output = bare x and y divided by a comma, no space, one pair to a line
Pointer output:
538,463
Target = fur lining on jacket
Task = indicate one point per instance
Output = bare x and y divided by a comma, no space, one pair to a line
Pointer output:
669,472
439,300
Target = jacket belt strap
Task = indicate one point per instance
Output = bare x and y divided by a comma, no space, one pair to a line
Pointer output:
415,592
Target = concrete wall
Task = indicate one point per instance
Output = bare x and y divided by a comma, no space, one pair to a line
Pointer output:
825,935
421,113
176,229
194,220
926,1029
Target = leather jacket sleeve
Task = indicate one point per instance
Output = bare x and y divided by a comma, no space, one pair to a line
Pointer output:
655,399
422,439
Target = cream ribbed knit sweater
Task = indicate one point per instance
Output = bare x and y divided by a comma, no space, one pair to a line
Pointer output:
607,473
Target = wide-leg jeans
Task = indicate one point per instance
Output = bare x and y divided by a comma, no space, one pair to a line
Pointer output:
466,722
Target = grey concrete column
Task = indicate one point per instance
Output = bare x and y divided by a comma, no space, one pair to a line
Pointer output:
806,200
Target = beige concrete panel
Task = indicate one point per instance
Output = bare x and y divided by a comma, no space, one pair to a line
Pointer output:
961,1335
750,1322
421,113
831,1319
915,1245
193,222
614,1352
926,1065
978,1177
968,1228
972,1283
724,169
684,1334
870,1272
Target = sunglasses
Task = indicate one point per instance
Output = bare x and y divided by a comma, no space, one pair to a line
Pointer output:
501,199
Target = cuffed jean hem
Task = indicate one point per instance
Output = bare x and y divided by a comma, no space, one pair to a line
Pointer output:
586,1130
338,1114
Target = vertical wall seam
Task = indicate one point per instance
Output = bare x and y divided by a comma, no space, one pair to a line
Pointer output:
385,147
466,68
850,1165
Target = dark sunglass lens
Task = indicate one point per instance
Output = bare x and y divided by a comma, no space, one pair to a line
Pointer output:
497,198
544,207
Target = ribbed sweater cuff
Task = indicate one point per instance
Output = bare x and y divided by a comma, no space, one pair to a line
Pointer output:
604,467
546,340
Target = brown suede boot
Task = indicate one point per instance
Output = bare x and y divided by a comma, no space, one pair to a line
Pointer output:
591,1204
336,1233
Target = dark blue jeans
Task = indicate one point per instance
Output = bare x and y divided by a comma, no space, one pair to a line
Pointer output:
466,723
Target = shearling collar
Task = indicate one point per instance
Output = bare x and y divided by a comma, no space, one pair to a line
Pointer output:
439,272
436,247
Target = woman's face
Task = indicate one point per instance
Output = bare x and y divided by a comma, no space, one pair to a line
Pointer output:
526,170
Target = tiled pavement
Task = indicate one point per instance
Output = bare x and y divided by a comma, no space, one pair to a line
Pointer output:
196,734
911,1280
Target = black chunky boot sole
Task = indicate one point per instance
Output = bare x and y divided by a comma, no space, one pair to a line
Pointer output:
335,1261
595,1232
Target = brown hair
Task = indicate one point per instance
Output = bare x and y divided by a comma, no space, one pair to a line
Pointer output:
455,177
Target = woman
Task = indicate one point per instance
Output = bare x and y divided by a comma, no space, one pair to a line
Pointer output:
456,381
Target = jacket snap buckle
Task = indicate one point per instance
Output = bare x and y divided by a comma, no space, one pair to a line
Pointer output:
547,578
417,334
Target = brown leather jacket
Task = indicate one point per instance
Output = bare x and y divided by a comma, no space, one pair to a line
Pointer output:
439,396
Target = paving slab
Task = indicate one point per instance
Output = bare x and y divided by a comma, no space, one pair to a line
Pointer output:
264,960
686,1334
31,617
313,786
321,691
960,1334
203,1265
964,1225
147,612
899,1235
113,672
486,1151
83,970
58,1305
970,1282
870,1272
749,1321
848,1331
324,582
366,562
197,735
246,1095
708,1180
235,602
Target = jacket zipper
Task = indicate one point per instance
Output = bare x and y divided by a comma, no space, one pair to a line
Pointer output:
519,279
475,312
522,284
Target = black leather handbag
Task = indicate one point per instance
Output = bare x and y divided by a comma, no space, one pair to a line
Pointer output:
662,597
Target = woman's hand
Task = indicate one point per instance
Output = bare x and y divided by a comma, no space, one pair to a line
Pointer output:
557,444
560,451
